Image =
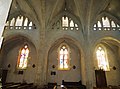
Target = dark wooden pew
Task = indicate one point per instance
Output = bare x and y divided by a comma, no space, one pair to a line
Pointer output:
25,86
13,86
18,86
71,85
33,87
51,85
7,85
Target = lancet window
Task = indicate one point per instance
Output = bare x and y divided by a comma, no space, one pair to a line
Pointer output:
23,57
102,59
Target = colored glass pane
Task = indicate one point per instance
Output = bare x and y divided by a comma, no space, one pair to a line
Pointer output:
102,59
63,58
23,57
65,21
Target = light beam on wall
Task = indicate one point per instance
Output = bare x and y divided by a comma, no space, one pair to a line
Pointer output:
1,40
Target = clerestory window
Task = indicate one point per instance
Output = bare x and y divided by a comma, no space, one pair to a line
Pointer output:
106,24
65,23
20,22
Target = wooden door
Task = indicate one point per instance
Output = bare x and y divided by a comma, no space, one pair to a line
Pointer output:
100,78
4,76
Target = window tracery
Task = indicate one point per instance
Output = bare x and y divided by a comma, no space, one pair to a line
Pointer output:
23,58
65,23
63,57
106,24
20,22
102,59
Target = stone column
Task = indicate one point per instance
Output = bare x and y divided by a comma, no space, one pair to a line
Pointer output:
89,60
89,70
40,71
4,9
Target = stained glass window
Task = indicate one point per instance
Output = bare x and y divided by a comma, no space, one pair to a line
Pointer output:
26,22
102,59
64,58
65,21
106,24
71,23
20,22
23,58
12,22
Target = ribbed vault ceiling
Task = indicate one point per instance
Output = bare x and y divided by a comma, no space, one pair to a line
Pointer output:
45,10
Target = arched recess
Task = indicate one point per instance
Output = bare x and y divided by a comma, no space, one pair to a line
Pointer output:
65,21
20,22
112,49
9,57
107,22
76,71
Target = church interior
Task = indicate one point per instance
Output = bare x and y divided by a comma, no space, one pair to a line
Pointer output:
61,44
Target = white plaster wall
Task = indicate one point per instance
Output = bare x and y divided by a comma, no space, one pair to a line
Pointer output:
73,75
56,34
96,36
33,35
29,73
113,76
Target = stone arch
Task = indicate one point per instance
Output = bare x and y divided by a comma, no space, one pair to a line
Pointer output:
9,56
106,14
18,39
25,36
20,21
68,14
18,13
74,42
113,51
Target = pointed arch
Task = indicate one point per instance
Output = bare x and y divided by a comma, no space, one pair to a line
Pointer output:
23,52
107,21
55,45
20,22
66,21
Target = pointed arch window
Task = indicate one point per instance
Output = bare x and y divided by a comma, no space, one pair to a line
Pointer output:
20,22
23,57
102,59
65,23
106,24
12,22
64,57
